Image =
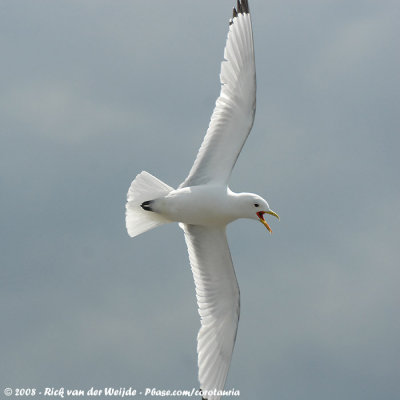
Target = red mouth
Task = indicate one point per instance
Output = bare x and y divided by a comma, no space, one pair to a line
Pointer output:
260,215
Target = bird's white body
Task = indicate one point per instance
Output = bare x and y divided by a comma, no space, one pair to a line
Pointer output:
203,205
206,205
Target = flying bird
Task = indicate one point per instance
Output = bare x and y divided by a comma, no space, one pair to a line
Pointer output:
203,205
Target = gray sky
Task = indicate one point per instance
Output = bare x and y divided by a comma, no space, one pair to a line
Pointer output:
93,92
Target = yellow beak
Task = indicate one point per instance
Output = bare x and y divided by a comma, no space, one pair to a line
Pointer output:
260,215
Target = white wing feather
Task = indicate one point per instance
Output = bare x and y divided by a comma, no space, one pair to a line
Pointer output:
218,299
233,115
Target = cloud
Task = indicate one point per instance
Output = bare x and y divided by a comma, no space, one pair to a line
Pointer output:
61,112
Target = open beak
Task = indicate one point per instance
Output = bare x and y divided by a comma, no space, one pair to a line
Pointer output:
260,215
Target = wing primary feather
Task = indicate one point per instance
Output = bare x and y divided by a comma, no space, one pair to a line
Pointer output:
239,7
234,14
245,6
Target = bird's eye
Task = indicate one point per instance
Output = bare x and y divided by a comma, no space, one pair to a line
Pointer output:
256,205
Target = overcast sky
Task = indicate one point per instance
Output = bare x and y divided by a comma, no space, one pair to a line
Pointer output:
93,92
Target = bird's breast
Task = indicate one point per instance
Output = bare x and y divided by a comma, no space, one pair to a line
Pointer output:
198,205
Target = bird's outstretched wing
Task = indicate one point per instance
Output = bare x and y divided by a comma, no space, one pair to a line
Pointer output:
233,115
218,297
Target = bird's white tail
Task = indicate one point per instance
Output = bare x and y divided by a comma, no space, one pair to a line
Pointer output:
143,188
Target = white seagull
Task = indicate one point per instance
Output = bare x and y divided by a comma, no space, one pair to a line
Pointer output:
203,205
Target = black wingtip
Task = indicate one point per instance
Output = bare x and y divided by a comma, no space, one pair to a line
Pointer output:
239,7
242,7
201,392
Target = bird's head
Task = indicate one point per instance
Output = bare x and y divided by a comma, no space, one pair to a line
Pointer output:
256,208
